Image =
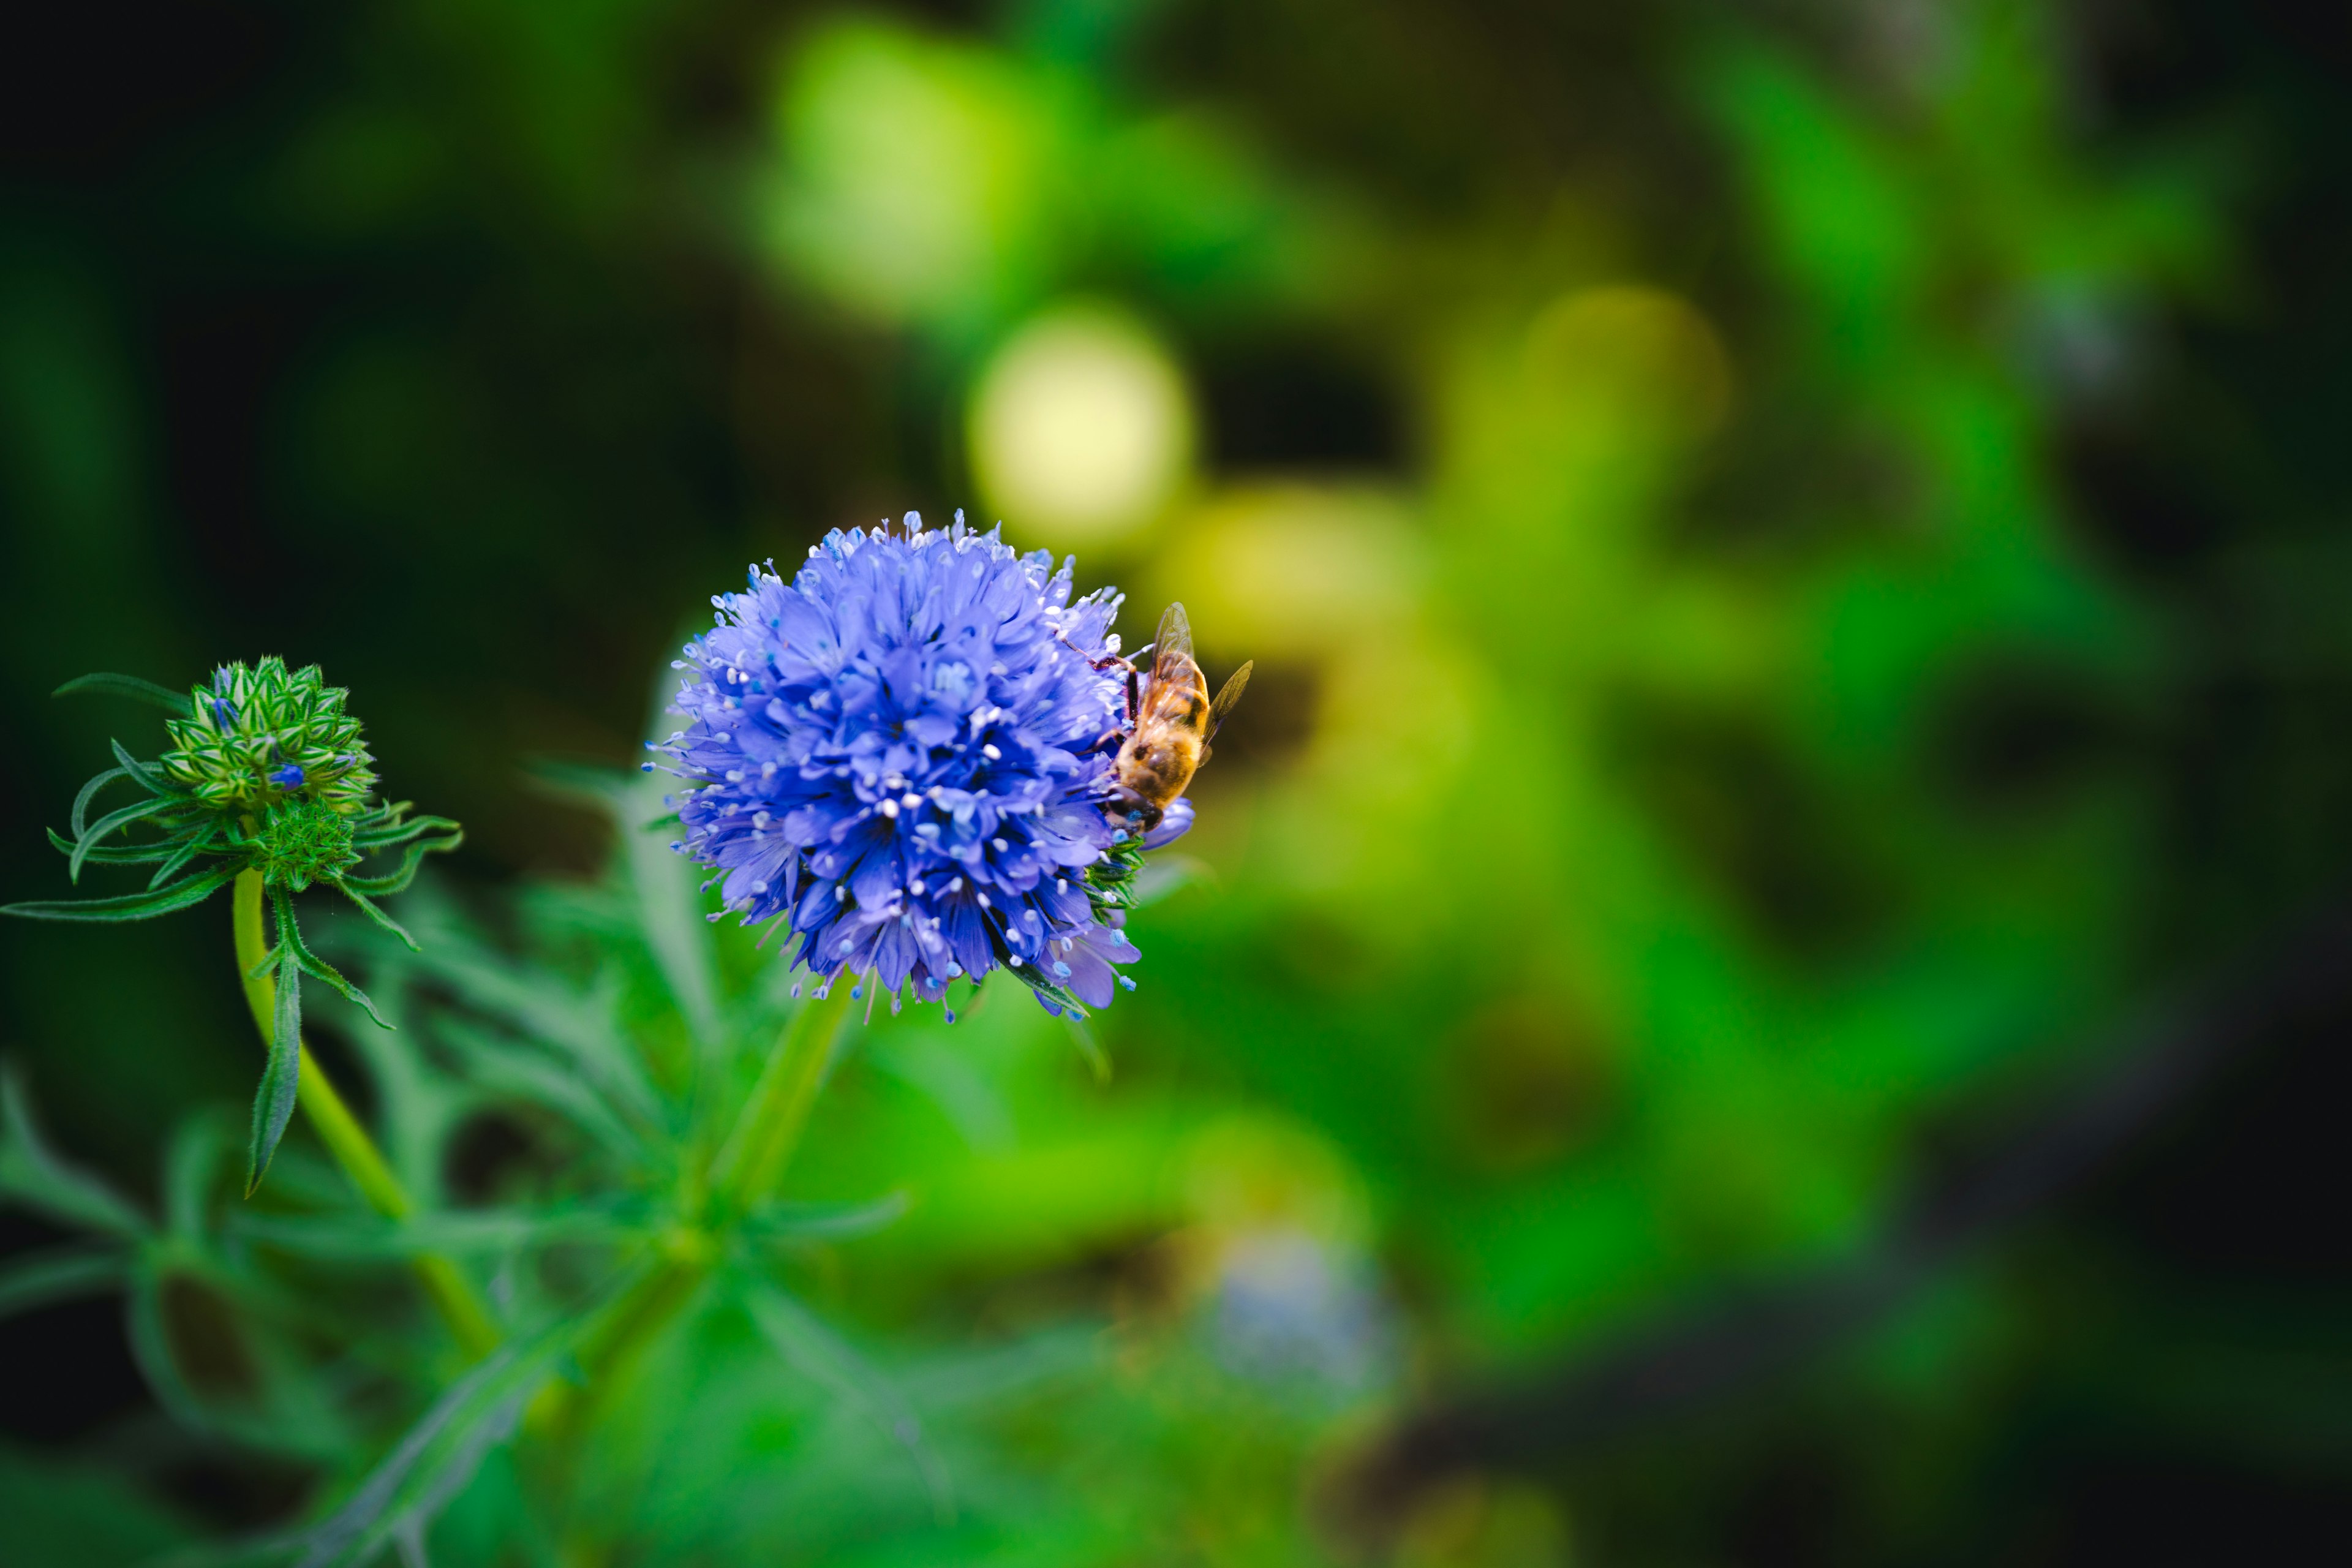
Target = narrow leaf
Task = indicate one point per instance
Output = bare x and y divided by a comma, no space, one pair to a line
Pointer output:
146,773
290,937
33,1174
367,907
449,1232
392,830
153,1346
37,1279
186,853
190,1167
176,703
538,1081
821,1221
273,1103
1058,1000
547,1009
113,854
183,894
112,822
90,792
438,1456
398,880
817,1353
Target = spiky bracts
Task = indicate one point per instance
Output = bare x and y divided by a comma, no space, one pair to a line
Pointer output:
258,735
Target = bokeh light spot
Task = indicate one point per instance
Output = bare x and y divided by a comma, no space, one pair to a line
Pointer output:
1080,427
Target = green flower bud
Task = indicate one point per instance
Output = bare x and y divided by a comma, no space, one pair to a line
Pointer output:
302,842
260,736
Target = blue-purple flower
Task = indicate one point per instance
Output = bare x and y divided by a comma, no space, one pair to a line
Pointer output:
901,754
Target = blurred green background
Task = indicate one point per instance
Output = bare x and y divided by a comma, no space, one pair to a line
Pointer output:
1797,559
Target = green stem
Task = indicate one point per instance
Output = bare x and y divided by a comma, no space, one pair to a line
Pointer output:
752,1159
746,1169
349,1142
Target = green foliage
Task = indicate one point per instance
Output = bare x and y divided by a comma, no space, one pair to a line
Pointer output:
273,1103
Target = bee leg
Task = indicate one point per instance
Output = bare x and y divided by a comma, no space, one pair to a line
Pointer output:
1108,661
1134,695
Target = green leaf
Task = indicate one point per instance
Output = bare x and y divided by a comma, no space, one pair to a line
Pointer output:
547,1010
392,830
367,907
534,1079
398,880
189,1168
176,703
183,894
31,1172
186,853
147,777
112,822
290,938
821,1221
36,1280
273,1103
113,854
90,792
153,1346
456,1232
818,1354
1065,1002
437,1457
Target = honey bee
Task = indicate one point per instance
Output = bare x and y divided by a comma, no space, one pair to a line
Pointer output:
1170,724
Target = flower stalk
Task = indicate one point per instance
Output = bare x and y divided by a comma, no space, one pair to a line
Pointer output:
346,1139
752,1159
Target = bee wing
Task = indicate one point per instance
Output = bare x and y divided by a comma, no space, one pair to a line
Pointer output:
1228,696
1172,645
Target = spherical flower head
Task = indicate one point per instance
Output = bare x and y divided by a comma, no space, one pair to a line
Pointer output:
902,752
262,735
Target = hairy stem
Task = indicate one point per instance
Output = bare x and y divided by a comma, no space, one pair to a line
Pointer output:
349,1142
